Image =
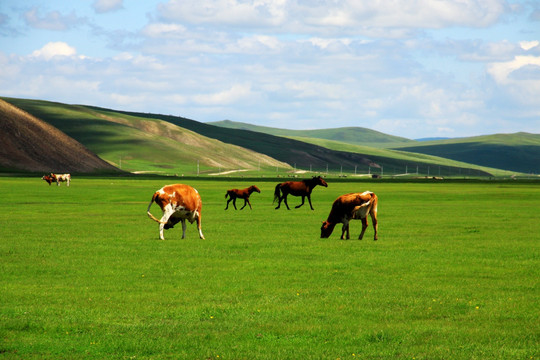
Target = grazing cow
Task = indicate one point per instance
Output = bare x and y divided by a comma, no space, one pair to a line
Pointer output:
233,194
61,178
297,188
351,206
178,202
48,179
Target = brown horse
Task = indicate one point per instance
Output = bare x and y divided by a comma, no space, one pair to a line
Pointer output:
233,194
297,188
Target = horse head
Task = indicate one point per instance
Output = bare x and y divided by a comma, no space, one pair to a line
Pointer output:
253,188
320,181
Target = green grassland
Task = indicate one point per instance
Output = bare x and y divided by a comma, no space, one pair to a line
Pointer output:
454,274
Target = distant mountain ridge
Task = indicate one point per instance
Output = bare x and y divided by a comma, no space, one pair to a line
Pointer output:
351,135
515,152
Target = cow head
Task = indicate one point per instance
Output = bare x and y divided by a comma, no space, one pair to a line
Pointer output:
47,179
326,229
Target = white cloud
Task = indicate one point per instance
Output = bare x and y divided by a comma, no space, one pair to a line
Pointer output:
234,94
501,71
54,49
103,6
52,21
528,45
351,16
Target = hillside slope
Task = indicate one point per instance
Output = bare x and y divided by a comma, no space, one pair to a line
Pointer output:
349,135
30,144
516,152
305,155
144,144
171,144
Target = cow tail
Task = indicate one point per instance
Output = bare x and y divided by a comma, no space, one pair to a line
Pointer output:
148,210
276,193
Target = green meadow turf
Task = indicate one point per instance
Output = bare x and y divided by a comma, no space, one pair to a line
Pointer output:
454,274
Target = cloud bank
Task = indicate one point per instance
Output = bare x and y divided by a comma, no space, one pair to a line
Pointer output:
414,69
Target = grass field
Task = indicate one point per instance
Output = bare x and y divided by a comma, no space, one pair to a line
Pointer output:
454,274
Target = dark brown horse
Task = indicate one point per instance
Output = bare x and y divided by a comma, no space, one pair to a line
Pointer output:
233,194
297,188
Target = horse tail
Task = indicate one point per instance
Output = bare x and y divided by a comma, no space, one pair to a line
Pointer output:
148,210
276,193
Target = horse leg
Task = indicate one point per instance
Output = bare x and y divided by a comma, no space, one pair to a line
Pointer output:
228,201
311,206
303,199
246,201
285,201
234,203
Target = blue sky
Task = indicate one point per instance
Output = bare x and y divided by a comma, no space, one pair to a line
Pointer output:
416,69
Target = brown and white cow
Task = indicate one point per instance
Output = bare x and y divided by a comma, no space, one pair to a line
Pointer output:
48,179
178,202
352,206
61,178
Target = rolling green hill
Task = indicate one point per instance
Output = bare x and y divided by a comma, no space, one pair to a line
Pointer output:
145,144
175,145
304,155
349,135
516,152
406,162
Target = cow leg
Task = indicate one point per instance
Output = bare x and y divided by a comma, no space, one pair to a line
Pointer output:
345,229
303,200
364,227
201,236
183,228
375,224
167,212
